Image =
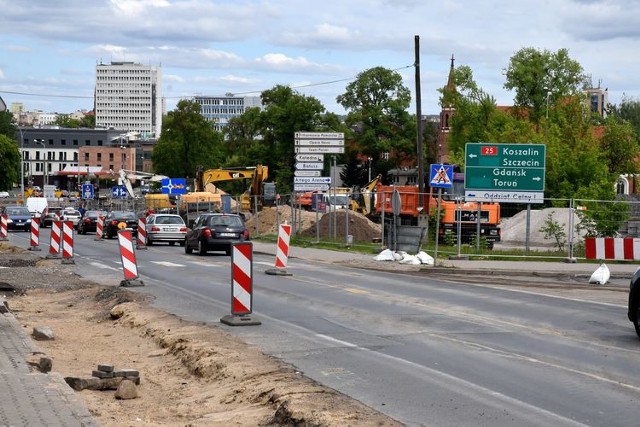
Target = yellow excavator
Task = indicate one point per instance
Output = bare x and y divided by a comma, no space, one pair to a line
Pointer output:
364,200
259,190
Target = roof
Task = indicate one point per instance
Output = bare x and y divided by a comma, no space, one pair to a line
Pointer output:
82,170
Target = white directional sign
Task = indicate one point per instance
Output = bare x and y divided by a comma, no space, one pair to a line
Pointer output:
306,173
312,180
318,135
310,165
319,149
324,142
309,157
310,187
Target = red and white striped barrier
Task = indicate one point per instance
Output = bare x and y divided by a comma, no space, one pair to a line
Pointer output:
282,251
241,286
614,248
34,241
4,227
99,228
67,242
128,256
54,242
141,241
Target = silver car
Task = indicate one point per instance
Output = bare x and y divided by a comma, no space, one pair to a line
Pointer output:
165,228
71,215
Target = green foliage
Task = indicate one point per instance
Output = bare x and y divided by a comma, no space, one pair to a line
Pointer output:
601,219
553,230
65,121
377,104
628,111
534,75
620,146
187,141
9,163
7,125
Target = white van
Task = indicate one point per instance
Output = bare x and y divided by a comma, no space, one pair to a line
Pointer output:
36,205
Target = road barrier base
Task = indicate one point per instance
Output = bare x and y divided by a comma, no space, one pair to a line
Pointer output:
68,261
239,320
129,283
53,256
4,239
35,248
278,272
138,247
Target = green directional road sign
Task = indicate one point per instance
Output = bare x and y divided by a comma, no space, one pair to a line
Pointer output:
504,172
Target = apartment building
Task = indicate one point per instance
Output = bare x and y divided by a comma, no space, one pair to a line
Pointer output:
128,97
220,109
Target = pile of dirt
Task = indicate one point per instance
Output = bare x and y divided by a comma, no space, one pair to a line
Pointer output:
329,225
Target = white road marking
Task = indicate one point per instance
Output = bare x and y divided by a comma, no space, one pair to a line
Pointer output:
168,264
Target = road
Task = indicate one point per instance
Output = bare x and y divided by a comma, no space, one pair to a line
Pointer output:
424,351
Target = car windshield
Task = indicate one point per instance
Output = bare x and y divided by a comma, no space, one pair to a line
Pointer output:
72,213
169,220
123,215
18,211
227,221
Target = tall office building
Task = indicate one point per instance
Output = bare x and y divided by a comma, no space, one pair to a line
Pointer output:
219,109
128,97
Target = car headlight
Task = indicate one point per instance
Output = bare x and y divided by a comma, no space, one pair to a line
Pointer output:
9,221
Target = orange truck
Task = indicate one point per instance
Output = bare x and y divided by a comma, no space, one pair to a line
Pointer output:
452,212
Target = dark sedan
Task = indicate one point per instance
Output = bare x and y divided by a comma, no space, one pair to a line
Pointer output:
18,218
215,232
120,220
87,223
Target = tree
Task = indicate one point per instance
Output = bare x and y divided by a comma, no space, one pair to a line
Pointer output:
620,146
629,111
9,163
535,75
7,125
377,104
187,141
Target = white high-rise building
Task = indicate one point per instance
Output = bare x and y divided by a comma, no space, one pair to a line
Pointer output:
220,109
128,97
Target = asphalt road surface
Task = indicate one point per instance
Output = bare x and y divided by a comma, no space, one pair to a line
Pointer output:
424,351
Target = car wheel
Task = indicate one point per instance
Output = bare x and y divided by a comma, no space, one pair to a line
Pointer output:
149,242
181,243
187,249
202,249
172,243
228,250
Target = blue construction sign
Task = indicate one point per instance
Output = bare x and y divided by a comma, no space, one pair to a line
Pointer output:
174,186
441,176
87,190
119,192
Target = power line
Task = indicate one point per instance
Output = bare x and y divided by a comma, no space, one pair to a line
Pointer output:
44,95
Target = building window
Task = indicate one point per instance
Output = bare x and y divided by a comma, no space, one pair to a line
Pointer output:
63,142
75,142
111,157
86,157
99,156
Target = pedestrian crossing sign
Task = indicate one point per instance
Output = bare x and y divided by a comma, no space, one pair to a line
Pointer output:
441,176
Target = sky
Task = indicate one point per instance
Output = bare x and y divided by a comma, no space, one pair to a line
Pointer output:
49,49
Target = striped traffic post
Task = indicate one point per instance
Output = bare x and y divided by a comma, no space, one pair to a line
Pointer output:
67,242
99,228
4,227
54,242
241,286
282,252
34,241
128,257
141,240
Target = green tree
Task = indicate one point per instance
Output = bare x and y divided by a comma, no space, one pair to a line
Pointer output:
377,104
535,75
9,163
619,145
629,111
7,125
66,121
286,112
187,141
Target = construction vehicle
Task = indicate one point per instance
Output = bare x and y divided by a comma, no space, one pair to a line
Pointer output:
454,210
363,201
261,192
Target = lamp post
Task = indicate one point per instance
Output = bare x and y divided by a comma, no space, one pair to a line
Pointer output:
21,165
45,176
369,159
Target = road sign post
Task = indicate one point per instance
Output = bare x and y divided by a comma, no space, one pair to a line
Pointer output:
512,173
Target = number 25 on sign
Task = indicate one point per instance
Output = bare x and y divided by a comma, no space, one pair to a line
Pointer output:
489,150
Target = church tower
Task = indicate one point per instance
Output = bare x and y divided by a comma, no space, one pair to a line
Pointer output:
446,113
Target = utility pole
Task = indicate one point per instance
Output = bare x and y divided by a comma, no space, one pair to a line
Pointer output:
419,122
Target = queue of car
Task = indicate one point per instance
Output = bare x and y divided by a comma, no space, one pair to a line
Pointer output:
211,231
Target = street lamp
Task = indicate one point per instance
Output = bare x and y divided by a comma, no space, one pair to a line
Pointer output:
21,165
369,159
45,177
